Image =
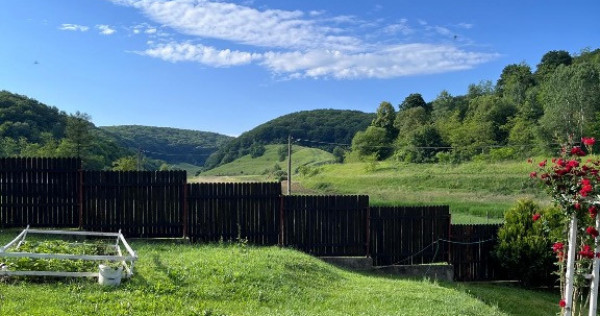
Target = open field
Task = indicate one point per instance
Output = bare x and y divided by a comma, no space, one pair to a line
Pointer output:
238,279
477,192
261,166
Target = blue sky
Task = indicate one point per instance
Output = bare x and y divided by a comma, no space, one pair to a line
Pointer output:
228,66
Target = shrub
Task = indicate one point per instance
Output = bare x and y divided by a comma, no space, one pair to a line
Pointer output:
525,246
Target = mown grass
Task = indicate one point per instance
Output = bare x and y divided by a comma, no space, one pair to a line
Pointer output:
237,279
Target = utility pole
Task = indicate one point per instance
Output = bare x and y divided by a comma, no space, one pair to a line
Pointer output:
289,173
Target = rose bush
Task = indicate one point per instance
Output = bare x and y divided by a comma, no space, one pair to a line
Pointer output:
573,186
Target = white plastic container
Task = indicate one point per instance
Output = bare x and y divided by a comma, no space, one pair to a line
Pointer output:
109,275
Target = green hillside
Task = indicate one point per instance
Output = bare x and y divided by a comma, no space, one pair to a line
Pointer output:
326,127
29,128
172,145
265,165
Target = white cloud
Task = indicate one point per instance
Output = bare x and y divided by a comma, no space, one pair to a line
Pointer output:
401,27
295,44
105,29
73,27
242,24
175,52
393,61
465,25
389,62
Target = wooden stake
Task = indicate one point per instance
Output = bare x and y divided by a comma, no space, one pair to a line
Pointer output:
595,274
572,244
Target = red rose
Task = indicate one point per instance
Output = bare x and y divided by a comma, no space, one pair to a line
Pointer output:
533,174
592,231
573,163
562,303
543,163
577,151
558,246
586,252
536,216
588,141
593,211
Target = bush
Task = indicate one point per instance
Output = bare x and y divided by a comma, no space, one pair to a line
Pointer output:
525,247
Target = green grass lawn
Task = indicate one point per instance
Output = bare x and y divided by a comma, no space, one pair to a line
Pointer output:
237,279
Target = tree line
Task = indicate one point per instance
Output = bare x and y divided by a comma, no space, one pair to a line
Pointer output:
524,113
29,128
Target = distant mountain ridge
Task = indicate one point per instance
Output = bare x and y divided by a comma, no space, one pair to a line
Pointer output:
324,129
172,145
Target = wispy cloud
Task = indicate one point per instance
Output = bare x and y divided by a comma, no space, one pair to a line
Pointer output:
298,44
73,27
105,29
206,55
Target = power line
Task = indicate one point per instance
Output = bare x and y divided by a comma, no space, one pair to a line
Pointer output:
557,145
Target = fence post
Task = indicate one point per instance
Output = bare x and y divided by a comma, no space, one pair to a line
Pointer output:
185,208
80,196
449,238
368,226
281,221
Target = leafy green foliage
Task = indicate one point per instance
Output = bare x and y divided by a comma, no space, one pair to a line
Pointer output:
372,142
128,163
257,150
57,247
531,112
525,247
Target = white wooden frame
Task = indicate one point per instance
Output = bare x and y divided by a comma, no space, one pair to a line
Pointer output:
126,260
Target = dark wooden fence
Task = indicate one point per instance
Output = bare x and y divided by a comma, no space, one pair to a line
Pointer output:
409,234
234,210
55,193
326,225
39,191
139,203
471,253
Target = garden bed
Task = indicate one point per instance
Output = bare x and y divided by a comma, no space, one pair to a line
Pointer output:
65,258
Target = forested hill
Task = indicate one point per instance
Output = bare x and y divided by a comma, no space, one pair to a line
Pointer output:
172,145
323,128
29,128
